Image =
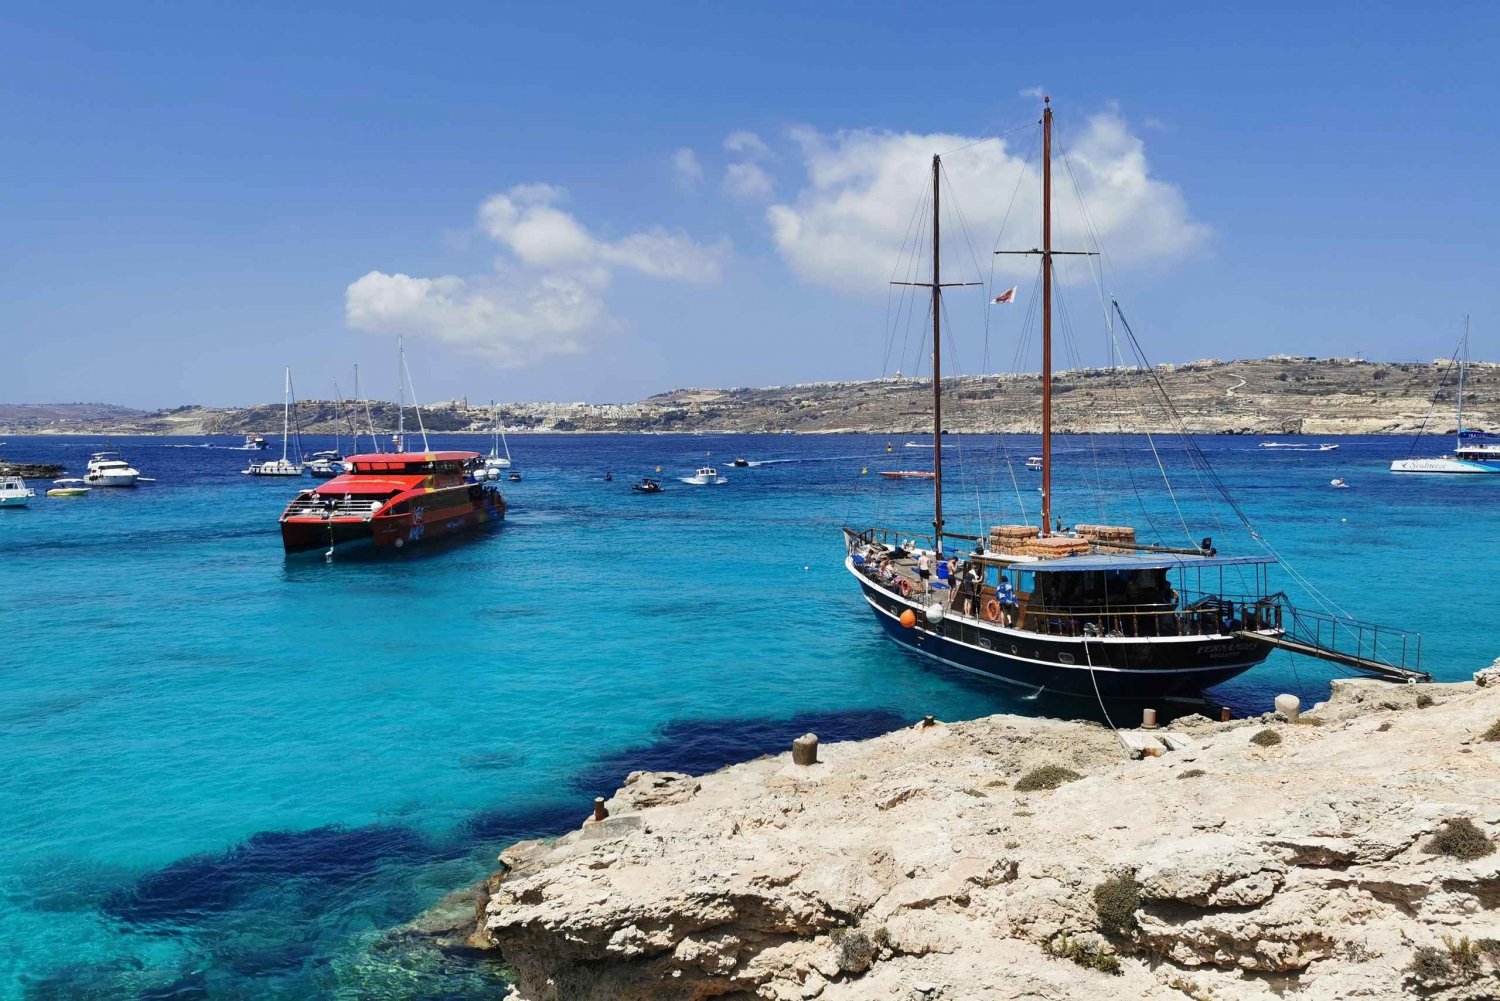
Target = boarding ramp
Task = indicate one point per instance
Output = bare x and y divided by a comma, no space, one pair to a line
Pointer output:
1378,651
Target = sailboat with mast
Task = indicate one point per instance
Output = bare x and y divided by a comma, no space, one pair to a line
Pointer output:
1474,451
1088,612
283,466
495,461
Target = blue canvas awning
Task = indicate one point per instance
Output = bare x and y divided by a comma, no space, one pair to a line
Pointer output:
1141,561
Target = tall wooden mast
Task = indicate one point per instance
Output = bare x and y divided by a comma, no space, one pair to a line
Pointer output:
1047,253
937,368
937,287
1046,315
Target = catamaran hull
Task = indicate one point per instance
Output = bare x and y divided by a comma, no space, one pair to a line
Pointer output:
1121,669
301,534
1462,466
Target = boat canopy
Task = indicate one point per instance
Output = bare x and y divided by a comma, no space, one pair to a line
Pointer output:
1142,561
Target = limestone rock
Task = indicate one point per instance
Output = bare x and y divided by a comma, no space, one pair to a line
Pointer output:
1211,870
907,867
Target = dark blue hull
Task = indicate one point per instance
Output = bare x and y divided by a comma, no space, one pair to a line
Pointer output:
1071,666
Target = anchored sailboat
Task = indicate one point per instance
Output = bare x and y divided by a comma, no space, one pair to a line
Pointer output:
1474,451
1089,612
283,466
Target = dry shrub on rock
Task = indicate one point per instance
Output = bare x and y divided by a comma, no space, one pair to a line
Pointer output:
1116,900
1266,738
1461,839
1046,777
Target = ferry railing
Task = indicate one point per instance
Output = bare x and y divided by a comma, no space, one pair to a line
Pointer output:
333,507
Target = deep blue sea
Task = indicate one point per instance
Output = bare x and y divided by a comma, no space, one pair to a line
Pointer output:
227,772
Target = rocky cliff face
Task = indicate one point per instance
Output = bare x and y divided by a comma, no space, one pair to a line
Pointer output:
1349,855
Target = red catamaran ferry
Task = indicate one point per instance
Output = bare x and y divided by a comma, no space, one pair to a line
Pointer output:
393,500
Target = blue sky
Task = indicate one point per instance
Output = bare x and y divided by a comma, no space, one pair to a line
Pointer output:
192,195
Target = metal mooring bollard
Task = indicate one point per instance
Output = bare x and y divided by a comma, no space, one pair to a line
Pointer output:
599,811
1289,706
805,750
1148,719
1224,714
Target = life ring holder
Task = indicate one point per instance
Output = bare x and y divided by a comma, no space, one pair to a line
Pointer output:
992,610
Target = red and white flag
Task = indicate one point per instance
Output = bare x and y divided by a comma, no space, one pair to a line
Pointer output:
1009,295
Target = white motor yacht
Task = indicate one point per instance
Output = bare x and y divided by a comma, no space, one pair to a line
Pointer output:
14,492
1034,463
706,476
107,469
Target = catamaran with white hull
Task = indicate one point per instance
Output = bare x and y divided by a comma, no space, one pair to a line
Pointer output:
1474,451
1087,612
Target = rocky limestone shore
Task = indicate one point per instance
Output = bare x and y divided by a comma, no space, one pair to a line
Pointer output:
1347,854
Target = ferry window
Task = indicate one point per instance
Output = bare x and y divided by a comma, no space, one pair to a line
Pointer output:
1028,582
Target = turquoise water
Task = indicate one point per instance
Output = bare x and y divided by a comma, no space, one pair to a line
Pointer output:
226,772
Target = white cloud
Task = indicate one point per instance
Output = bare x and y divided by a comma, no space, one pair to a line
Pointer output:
747,180
845,228
687,168
1036,93
546,294
747,144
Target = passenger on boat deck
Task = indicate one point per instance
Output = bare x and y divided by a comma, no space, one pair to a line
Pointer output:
952,571
924,570
1006,595
973,580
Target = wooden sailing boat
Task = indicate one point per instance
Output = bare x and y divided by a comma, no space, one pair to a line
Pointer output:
1090,612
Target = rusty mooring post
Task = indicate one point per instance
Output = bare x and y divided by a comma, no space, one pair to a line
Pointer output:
805,750
599,811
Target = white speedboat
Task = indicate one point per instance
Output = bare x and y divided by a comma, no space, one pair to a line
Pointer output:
69,488
1474,451
107,469
1338,483
14,492
1034,463
282,466
325,465
706,476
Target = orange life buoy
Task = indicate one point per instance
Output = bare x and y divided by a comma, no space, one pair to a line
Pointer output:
992,610
904,586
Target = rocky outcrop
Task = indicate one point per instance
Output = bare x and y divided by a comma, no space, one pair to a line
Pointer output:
909,867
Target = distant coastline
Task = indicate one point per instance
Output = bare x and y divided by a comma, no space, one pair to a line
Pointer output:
1279,395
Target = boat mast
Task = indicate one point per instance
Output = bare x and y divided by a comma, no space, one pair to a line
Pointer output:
1047,253
400,397
286,412
1463,365
1046,315
937,369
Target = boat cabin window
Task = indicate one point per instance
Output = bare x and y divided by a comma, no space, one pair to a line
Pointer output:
1099,588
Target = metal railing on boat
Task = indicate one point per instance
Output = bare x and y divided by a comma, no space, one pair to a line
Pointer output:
332,507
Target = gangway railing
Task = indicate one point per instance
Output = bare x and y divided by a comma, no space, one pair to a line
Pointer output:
1380,651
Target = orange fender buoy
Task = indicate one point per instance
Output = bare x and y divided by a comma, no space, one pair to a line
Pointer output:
992,610
908,618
